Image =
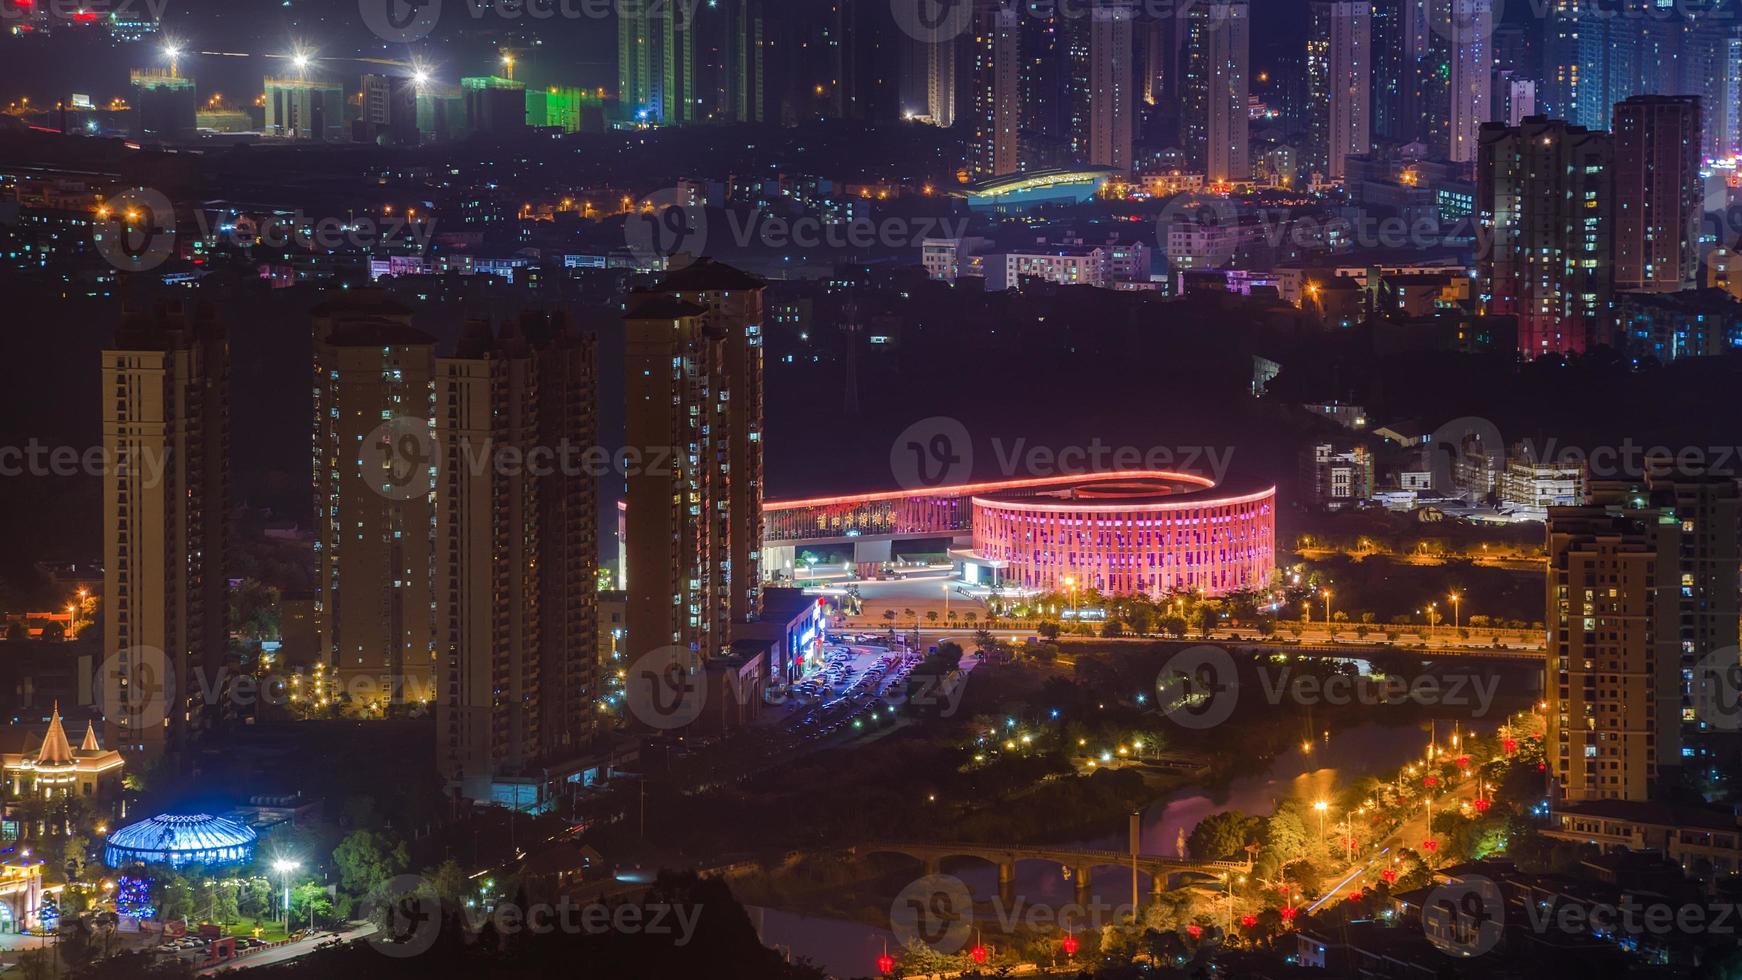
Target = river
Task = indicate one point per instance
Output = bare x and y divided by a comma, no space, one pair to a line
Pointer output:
850,949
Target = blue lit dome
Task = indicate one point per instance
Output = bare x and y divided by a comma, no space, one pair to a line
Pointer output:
178,840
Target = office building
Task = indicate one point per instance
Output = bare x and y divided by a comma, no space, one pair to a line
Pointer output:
693,369
165,395
1613,665
1339,83
494,105
305,109
1104,100
1461,69
165,106
997,91
656,64
1215,87
1393,71
1699,614
374,469
1544,209
1514,98
515,558
1658,193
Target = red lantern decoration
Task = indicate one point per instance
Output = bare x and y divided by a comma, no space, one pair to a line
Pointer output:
1542,767
1510,745
1463,762
1431,781
1354,896
1389,875
885,964
1481,805
1431,845
978,953
1069,945
1248,921
1194,930
1287,912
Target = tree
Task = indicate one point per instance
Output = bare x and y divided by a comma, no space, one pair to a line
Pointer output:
1223,836
366,859
889,614
1048,629
309,904
1174,626
931,615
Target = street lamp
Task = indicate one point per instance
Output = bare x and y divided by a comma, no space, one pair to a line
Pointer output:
1071,584
1327,594
1321,806
284,866
1456,599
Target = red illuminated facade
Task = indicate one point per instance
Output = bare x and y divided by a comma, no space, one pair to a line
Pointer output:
1147,531
1140,536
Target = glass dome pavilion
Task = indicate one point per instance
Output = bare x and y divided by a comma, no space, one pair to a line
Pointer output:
179,840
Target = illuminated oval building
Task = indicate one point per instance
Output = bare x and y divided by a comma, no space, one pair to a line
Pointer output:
1137,531
178,840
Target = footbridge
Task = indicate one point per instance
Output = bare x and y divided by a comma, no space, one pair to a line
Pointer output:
1165,873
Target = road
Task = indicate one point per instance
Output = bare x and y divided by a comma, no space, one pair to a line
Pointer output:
289,951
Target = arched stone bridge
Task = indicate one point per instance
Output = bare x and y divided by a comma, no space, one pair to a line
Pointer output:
1165,873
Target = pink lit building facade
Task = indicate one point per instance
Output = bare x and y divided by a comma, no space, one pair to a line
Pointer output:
1123,532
